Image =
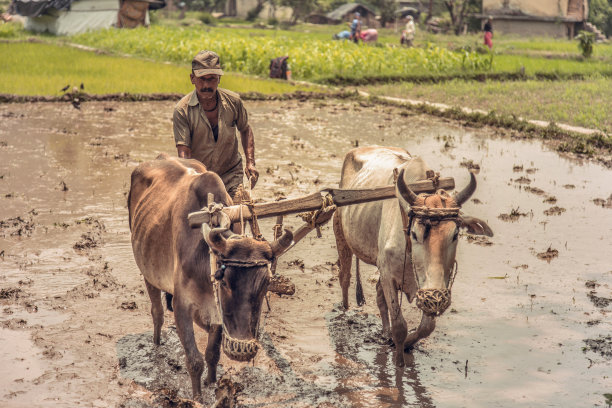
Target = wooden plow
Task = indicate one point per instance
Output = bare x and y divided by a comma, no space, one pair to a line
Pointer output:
316,209
323,203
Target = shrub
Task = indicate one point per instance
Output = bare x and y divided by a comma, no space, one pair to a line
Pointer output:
585,43
207,18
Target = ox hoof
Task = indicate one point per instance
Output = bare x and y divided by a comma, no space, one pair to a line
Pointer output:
399,359
210,381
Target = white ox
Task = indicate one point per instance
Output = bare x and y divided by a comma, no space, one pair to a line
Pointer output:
422,265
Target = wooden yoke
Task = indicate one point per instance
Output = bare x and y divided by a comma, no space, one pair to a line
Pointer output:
318,200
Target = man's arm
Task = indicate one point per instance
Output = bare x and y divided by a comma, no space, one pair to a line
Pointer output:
248,145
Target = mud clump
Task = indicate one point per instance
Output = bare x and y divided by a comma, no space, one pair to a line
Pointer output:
535,190
297,263
17,226
554,211
10,293
523,180
600,302
281,285
478,240
514,215
227,392
128,305
601,346
548,255
88,241
604,203
470,165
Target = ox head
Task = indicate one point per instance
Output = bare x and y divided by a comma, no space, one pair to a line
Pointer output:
242,277
433,230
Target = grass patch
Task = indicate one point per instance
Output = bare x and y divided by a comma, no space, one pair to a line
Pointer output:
584,103
102,74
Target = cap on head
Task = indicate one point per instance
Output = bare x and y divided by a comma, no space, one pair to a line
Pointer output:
357,14
206,63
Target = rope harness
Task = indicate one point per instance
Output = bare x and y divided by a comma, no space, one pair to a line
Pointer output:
430,301
311,217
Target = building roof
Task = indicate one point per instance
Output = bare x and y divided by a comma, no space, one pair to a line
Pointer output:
348,8
35,8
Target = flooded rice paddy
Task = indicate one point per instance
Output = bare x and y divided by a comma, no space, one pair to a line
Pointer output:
529,324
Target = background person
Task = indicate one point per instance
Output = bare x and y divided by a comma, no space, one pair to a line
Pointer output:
356,28
488,33
205,123
342,35
369,36
409,32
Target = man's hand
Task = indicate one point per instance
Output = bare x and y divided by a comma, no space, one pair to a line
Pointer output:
251,173
184,152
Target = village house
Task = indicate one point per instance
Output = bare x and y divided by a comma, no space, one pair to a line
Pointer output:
67,17
552,18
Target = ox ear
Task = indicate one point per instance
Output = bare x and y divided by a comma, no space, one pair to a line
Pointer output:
475,226
406,196
463,195
280,245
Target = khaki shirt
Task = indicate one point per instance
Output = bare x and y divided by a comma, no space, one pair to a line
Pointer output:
192,129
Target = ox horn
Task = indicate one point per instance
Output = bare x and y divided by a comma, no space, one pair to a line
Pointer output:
403,191
214,237
462,196
280,245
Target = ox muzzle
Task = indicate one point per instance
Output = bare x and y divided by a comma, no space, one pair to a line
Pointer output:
239,350
433,301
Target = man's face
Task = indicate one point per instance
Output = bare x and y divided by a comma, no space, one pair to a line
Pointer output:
206,85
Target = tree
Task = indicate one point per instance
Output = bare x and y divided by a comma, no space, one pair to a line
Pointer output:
459,9
201,5
600,15
301,8
387,9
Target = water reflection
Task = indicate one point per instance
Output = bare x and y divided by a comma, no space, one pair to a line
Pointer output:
365,370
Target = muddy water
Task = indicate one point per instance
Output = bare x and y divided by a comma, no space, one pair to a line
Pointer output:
529,324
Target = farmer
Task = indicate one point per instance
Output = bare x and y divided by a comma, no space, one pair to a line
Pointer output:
408,33
356,27
205,123
342,35
488,33
369,36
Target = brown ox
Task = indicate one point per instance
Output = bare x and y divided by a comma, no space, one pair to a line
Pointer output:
420,265
175,258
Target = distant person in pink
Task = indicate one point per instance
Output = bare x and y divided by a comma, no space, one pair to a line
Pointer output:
488,33
369,35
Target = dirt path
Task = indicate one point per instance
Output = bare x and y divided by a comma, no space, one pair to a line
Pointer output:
529,324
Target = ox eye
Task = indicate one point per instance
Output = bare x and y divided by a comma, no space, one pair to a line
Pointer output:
456,235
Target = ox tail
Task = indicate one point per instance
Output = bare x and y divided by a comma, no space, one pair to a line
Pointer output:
169,301
358,288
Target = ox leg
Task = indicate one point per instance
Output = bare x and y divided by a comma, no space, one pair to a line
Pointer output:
193,358
384,311
157,311
398,324
345,259
428,324
213,353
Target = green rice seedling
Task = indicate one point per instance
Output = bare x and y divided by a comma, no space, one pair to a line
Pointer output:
102,74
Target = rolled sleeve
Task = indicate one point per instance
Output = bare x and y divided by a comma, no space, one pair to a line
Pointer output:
180,125
242,121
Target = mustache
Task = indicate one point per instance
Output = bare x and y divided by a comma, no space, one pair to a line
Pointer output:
206,89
